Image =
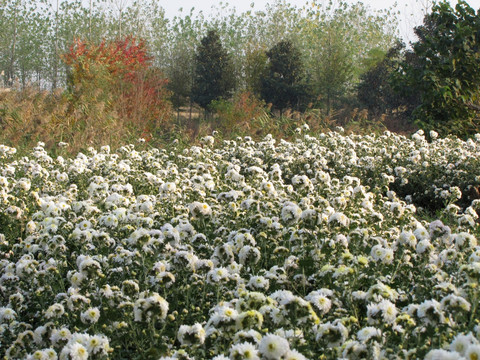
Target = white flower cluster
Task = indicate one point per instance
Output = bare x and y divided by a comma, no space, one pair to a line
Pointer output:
338,246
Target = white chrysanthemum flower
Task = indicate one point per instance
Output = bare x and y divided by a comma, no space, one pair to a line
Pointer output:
62,177
249,254
62,334
373,313
341,271
283,297
250,335
408,238
332,333
198,209
7,314
377,252
88,266
188,335
77,351
168,187
388,256
273,346
110,221
98,344
464,241
245,351
354,349
219,274
320,301
389,311
368,333
54,311
31,226
424,246
185,259
291,212
220,357
39,334
323,177
223,315
421,233
461,342
430,311
294,355
454,303
338,218
475,256
84,225
268,187
302,181
50,354
4,182
440,354
258,282
473,352
90,316
147,307
249,319
37,355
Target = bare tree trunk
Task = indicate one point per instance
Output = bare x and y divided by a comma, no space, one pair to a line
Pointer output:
23,76
39,79
11,68
55,60
90,22
328,102
190,115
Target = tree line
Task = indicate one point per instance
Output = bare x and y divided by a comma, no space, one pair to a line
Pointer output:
323,55
336,41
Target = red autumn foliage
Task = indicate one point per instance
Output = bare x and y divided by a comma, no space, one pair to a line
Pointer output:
122,58
123,71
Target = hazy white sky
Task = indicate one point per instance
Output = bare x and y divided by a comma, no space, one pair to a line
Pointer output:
411,10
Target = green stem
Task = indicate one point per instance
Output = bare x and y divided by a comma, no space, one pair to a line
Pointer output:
474,308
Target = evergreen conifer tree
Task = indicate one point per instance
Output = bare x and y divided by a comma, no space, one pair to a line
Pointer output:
214,75
283,84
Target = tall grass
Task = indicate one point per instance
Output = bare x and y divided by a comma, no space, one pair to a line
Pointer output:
95,118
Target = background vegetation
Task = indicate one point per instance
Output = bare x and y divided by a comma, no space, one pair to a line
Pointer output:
109,72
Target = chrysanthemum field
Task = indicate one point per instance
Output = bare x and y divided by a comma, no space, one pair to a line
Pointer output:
326,247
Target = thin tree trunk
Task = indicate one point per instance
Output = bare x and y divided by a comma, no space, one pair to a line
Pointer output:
190,115
90,22
55,60
328,102
11,69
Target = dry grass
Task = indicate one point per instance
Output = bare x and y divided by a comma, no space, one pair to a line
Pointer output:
29,116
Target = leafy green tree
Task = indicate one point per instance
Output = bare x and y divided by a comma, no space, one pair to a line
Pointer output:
33,34
445,70
283,84
375,91
179,74
333,69
337,38
21,32
71,23
213,71
256,61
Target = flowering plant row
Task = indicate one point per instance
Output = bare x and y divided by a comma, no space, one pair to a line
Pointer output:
247,250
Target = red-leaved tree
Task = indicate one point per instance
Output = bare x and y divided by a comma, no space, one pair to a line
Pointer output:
120,76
